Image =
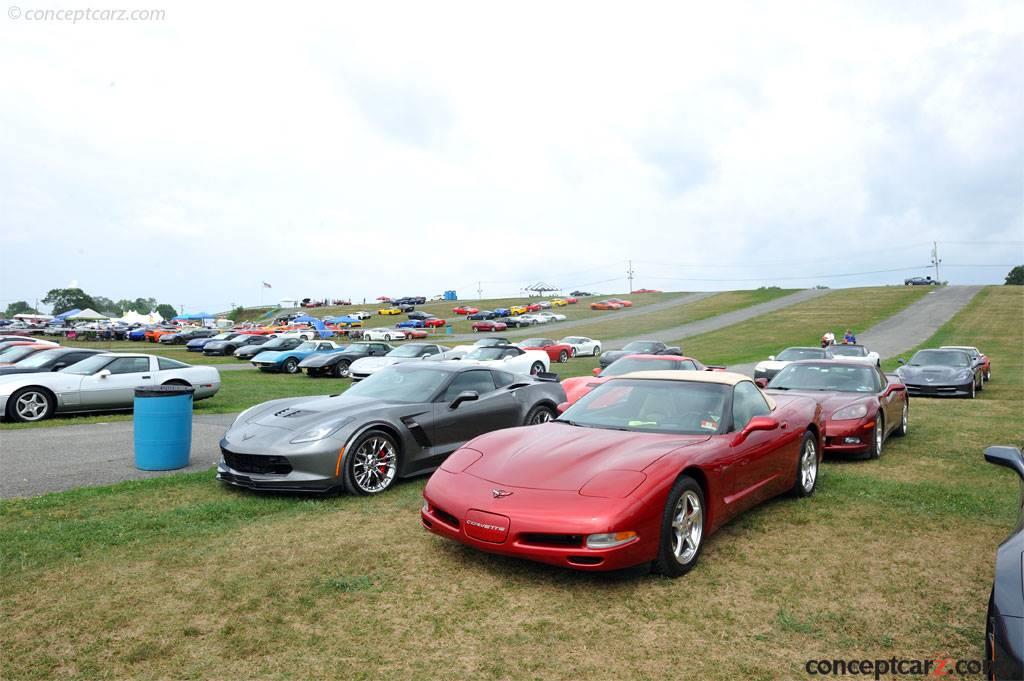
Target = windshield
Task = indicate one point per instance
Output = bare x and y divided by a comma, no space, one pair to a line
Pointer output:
535,342
17,352
642,346
490,342
401,383
486,353
628,364
40,358
848,351
89,365
573,340
307,347
407,351
945,358
794,354
223,336
833,377
659,406
276,343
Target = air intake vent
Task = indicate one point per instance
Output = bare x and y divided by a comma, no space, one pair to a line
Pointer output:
288,413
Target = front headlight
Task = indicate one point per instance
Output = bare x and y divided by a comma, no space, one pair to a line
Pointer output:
321,431
609,540
965,374
853,411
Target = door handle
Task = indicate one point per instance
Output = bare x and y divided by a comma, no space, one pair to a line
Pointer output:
147,377
783,425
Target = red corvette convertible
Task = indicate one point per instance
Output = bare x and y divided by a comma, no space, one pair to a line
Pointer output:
578,386
860,404
557,352
641,470
434,323
465,310
489,325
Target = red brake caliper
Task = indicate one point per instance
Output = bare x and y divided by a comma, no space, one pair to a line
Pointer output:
382,468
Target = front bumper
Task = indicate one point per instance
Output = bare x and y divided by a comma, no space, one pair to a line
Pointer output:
932,390
310,471
852,436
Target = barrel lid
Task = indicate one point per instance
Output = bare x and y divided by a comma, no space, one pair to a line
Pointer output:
164,390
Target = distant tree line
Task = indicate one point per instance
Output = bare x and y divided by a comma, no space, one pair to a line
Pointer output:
64,299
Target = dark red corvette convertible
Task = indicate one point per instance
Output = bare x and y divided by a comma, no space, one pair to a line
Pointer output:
640,470
861,406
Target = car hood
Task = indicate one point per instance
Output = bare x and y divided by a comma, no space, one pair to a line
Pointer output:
308,412
933,372
276,355
579,386
321,358
612,355
14,369
57,381
212,344
194,343
829,400
557,456
374,363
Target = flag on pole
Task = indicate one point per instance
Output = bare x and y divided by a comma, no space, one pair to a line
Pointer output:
266,285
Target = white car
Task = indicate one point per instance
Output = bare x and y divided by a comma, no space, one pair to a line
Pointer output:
510,358
383,333
545,304
552,316
304,334
581,345
534,318
775,364
103,382
855,353
361,314
365,366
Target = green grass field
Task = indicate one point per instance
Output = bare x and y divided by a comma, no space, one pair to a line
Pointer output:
177,577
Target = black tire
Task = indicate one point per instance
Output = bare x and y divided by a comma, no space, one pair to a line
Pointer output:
563,357
41,401
597,350
988,375
877,438
539,414
536,368
981,382
573,352
901,430
340,370
387,337
670,561
357,476
290,366
804,486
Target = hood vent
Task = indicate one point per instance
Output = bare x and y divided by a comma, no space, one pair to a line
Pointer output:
288,413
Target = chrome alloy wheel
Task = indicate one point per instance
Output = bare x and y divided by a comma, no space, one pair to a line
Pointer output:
32,405
542,416
374,465
809,465
906,417
879,436
687,527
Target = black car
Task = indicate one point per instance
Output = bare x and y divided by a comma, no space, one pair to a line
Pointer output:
252,341
247,352
185,336
939,373
337,363
920,281
1004,624
517,321
54,359
639,348
582,294
482,314
229,345
397,423
420,315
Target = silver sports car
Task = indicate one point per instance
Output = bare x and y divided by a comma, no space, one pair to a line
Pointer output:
401,421
104,382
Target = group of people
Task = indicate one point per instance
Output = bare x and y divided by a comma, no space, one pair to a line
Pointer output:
830,338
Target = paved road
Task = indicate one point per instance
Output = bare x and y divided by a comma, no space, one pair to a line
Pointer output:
720,321
909,327
40,460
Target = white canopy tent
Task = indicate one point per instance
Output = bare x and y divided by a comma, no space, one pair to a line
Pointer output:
87,315
133,317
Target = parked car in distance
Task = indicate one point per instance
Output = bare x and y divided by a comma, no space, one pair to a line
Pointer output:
855,353
434,323
409,352
385,334
621,302
481,314
227,346
50,359
287,361
502,312
199,343
247,352
552,316
938,373
389,311
977,356
411,324
419,314
489,325
1004,623
19,351
509,358
581,345
184,337
516,321
776,363
338,364
464,310
920,281
643,347
557,352
578,386
516,310
605,305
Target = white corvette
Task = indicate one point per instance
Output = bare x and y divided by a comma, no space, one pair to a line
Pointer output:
510,358
535,318
365,366
361,314
103,382
855,353
552,316
581,345
383,333
775,364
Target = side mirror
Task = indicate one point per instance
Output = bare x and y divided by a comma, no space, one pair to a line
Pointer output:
771,358
1006,456
755,424
562,407
596,371
103,373
901,361
58,366
464,396
761,382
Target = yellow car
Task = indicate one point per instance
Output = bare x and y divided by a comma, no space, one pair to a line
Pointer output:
389,310
517,309
558,302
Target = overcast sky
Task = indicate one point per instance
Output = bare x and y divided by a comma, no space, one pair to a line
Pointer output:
404,149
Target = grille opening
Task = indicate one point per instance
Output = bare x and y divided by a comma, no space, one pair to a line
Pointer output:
585,560
254,463
543,539
445,517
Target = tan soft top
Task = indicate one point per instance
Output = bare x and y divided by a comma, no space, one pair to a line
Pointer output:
719,377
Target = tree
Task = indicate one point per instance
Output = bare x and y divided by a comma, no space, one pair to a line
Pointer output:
106,306
1016,276
140,305
19,307
166,311
64,299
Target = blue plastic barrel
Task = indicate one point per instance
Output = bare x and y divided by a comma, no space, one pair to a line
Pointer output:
448,330
163,427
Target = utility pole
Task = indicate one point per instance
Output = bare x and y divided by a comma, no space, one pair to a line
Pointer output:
479,291
936,259
629,274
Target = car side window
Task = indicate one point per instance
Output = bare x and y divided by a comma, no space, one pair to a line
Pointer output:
510,352
429,350
687,366
479,381
129,365
882,380
502,378
324,346
747,402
